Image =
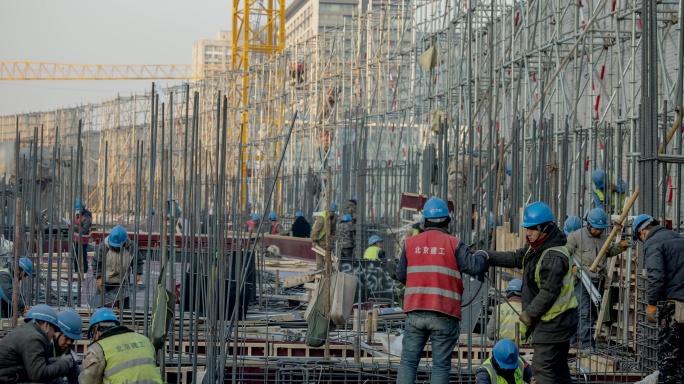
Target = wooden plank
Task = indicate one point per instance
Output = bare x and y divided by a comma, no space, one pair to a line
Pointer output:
294,281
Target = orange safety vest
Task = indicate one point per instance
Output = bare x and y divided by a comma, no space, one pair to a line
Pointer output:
433,278
85,238
274,229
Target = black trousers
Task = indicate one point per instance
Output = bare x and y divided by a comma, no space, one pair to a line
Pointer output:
670,345
84,263
550,364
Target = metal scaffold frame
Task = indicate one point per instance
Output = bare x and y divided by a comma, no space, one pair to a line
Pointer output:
492,104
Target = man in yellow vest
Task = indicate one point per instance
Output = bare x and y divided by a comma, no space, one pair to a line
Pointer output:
507,315
548,298
374,250
117,354
319,229
504,366
616,192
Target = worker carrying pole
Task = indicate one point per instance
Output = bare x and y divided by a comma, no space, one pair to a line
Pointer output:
548,299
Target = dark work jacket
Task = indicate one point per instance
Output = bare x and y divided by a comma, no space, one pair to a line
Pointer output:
22,357
301,228
664,259
7,286
537,300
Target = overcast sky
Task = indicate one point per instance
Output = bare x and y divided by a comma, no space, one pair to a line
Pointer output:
98,32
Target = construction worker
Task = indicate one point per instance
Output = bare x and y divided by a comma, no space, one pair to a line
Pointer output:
70,330
83,220
507,314
7,286
276,227
617,190
115,254
664,259
504,366
350,207
346,235
584,246
548,298
431,267
117,354
572,223
22,351
374,250
319,230
300,228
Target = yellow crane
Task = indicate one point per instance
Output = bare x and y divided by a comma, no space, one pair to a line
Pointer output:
258,28
29,70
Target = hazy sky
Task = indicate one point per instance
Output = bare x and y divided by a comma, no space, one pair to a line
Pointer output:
98,32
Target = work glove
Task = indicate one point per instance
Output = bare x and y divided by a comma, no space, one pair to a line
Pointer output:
138,280
574,270
99,282
624,244
651,313
67,360
525,319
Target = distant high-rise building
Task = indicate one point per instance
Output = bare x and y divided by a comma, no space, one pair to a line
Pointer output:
212,55
306,18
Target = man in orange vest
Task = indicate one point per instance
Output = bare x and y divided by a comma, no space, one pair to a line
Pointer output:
430,267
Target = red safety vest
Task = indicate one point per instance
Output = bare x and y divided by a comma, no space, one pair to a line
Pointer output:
274,229
85,238
433,278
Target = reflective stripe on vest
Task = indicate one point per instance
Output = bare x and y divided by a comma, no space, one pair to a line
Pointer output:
2,293
129,359
495,378
599,193
371,253
433,277
508,315
274,229
566,299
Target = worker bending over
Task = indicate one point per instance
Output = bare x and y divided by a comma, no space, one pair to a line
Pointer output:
507,314
7,286
504,366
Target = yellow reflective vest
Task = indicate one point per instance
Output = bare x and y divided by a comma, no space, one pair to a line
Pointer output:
508,315
566,299
371,253
495,378
129,358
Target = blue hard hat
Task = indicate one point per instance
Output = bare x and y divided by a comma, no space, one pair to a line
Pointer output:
621,187
78,205
272,216
435,208
333,206
506,354
102,315
509,169
597,218
117,236
572,224
514,285
642,221
70,323
249,203
535,214
598,177
491,220
26,265
346,217
299,214
256,217
355,198
42,312
374,239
